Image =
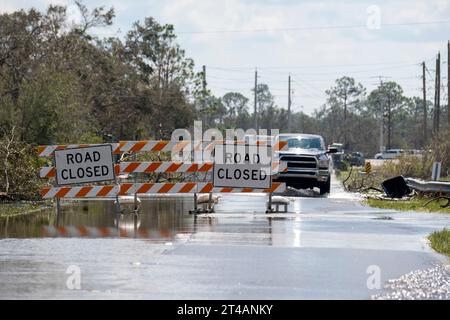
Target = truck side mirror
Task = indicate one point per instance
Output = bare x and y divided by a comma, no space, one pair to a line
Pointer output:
332,150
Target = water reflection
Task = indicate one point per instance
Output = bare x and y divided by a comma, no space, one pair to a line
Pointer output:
92,218
160,219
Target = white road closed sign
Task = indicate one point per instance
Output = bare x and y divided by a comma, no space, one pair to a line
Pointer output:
242,166
84,165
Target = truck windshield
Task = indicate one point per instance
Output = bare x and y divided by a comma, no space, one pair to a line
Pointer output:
303,142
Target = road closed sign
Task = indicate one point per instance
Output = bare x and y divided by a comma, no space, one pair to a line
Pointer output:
84,165
242,166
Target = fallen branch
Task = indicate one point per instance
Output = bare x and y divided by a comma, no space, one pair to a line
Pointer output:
373,188
439,198
346,179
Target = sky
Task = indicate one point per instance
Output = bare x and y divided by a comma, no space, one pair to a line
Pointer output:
315,42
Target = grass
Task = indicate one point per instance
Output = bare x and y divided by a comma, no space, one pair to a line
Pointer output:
20,208
440,241
414,204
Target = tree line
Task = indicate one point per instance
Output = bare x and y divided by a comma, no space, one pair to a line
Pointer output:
59,83
350,115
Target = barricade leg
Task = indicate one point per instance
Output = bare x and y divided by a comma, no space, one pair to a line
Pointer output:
58,206
117,204
136,205
274,207
195,211
58,211
269,204
210,204
202,206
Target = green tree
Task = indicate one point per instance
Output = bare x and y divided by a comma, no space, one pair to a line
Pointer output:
236,105
163,67
388,96
344,95
265,104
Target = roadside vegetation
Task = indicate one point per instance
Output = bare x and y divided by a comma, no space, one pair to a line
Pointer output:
440,241
21,208
413,204
413,166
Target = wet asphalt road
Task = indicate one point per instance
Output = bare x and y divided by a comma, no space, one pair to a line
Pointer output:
321,249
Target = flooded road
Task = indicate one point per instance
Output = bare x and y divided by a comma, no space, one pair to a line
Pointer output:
324,247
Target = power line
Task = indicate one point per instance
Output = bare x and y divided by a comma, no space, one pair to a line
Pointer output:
319,65
309,28
327,73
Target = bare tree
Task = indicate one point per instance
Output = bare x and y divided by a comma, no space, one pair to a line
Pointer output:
6,150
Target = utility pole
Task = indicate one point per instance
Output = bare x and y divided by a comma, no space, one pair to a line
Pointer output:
448,84
204,79
255,114
381,122
425,113
381,139
204,95
437,90
289,104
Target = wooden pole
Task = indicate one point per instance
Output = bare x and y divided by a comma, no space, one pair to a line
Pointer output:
425,113
289,104
448,84
255,114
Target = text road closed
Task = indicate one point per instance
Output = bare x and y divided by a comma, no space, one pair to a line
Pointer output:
242,166
84,165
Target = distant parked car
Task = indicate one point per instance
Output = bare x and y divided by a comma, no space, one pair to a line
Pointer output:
338,157
389,154
338,146
355,159
415,152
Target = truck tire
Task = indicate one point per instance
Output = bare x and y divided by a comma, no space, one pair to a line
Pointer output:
325,187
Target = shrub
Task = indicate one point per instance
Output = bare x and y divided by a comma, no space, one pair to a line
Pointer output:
19,167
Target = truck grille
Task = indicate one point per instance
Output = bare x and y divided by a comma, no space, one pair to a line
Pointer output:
300,163
298,158
309,165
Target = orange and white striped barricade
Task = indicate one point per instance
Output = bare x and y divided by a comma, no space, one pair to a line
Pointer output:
157,167
177,146
172,167
277,187
105,191
79,164
47,151
133,147
110,191
151,146
161,167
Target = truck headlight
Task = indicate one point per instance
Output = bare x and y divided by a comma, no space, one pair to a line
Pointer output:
323,161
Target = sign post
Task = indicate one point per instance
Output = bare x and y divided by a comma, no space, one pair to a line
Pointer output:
436,171
58,201
368,167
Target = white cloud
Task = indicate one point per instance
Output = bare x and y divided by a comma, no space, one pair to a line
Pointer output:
318,50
